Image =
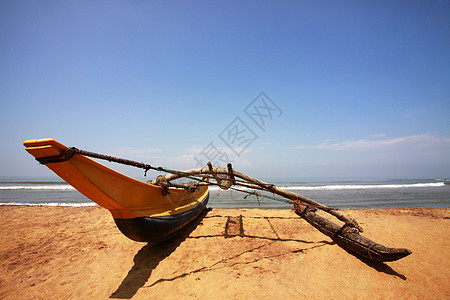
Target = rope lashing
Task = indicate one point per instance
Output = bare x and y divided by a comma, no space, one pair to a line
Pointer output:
62,157
258,194
223,183
264,196
69,153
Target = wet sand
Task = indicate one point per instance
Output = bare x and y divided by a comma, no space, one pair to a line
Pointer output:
78,253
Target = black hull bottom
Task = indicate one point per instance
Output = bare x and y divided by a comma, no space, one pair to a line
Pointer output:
156,229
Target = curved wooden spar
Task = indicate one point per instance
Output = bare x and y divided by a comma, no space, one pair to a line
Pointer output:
258,184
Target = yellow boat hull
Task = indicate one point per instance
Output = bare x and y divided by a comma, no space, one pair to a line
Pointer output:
126,198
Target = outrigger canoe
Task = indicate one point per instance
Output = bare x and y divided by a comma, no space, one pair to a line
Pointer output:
157,210
142,211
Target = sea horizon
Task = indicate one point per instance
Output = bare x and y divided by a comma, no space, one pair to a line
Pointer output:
339,193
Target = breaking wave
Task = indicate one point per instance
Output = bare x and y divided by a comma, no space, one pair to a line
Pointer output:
363,186
332,187
39,187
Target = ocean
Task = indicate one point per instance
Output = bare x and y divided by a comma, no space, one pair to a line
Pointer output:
394,193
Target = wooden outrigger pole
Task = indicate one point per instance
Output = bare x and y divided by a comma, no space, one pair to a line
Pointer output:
347,236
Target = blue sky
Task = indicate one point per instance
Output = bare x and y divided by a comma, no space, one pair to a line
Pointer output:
353,89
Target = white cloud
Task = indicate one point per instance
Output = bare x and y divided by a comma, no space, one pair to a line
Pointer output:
376,142
211,149
192,156
300,147
131,153
377,135
144,151
184,161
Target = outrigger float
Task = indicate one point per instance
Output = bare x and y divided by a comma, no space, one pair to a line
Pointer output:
159,209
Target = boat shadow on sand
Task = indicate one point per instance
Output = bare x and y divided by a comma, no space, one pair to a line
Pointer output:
379,266
148,258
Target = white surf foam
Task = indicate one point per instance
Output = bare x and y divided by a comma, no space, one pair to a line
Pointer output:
362,186
347,186
62,187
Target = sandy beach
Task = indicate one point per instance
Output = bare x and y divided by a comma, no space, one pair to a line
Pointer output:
78,253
